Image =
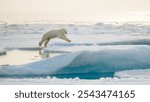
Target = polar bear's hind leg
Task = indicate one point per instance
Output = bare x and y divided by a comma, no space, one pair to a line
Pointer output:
46,42
40,43
42,40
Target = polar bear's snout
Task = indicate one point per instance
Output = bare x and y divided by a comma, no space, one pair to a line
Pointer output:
59,33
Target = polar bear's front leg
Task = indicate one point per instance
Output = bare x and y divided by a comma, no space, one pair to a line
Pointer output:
46,42
64,38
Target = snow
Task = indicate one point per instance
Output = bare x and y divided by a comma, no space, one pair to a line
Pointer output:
134,74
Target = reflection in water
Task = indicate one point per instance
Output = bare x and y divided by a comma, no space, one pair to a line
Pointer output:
51,53
43,54
19,57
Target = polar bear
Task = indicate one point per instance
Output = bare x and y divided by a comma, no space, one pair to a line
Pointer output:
56,33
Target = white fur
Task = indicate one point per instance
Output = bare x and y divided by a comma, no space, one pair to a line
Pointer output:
57,33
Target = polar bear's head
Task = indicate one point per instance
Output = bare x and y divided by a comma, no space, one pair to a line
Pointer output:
64,30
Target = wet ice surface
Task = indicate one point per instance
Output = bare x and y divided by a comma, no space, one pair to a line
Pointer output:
19,57
24,56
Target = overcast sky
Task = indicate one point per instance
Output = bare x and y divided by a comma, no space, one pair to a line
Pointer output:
73,6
